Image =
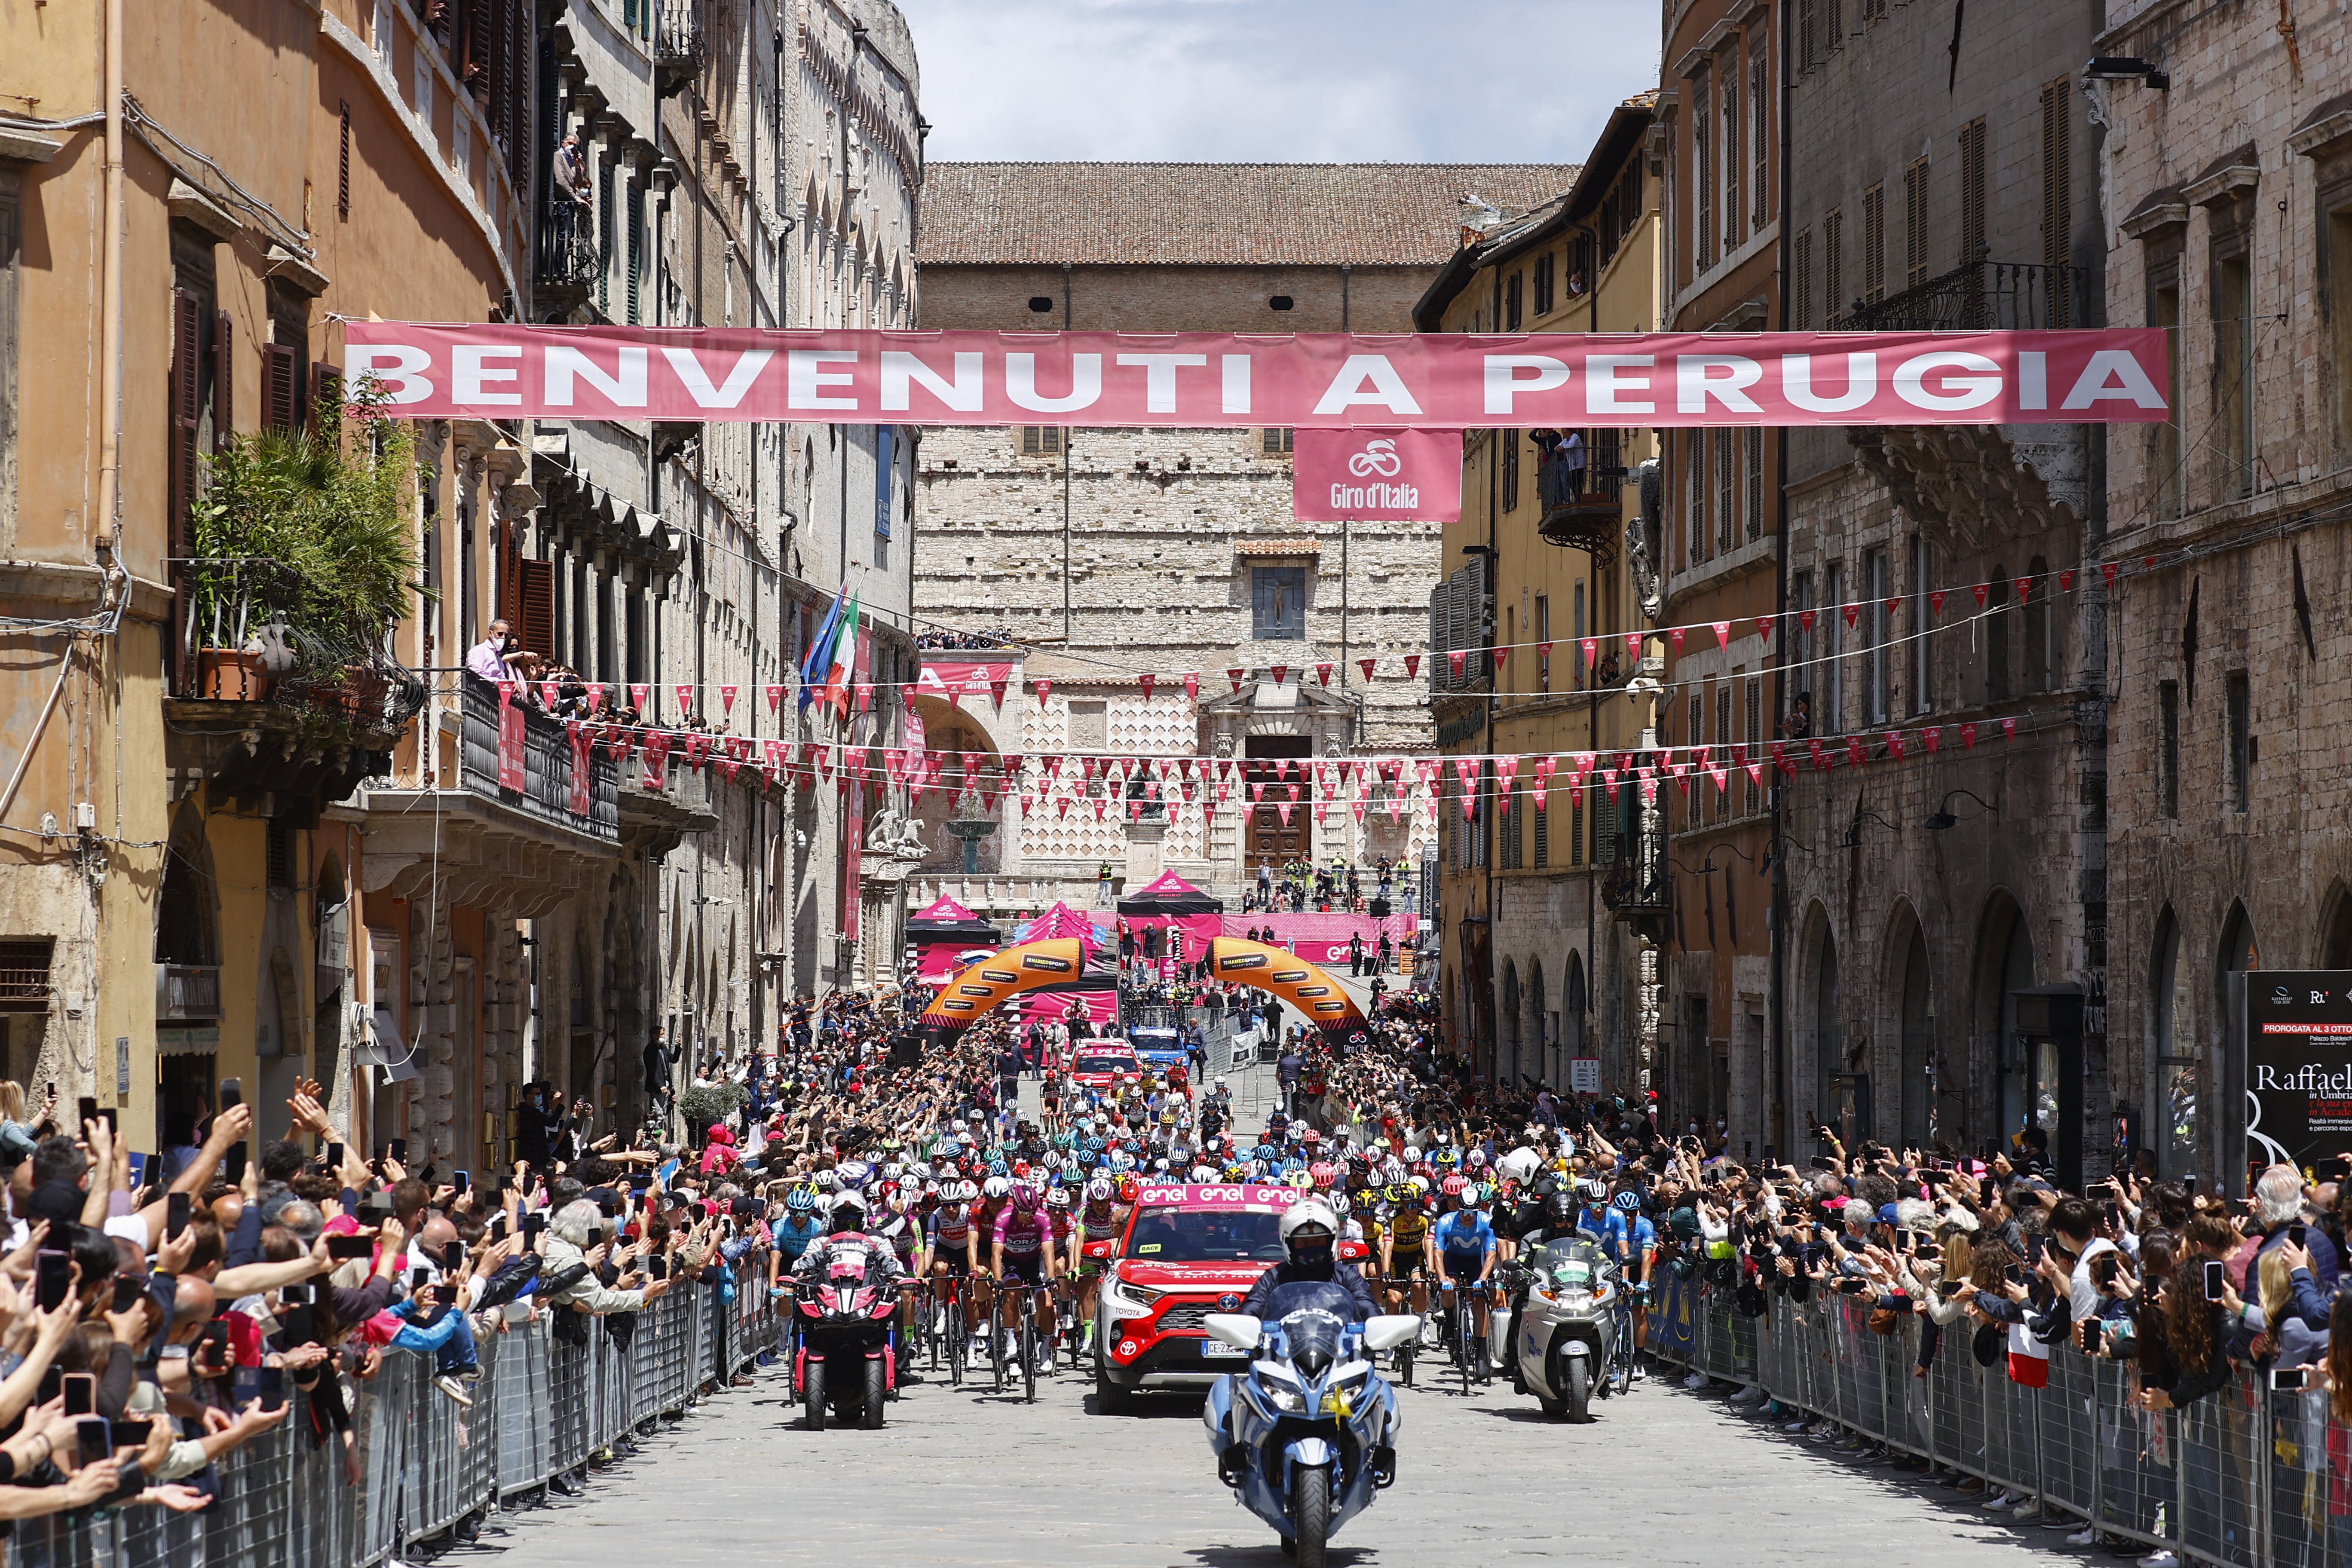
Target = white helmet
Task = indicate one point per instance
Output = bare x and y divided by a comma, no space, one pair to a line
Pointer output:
1309,1214
996,1187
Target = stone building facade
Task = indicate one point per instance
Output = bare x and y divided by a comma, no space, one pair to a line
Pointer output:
1718,142
2228,200
1120,553
1945,906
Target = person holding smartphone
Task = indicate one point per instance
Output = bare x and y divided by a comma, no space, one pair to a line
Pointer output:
2199,1306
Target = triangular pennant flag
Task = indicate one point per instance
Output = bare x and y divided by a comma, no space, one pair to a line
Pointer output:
1820,758
1366,666
2024,589
1609,783
596,697
506,695
638,693
1235,677
1764,626
1412,665
1648,792
2107,571
2009,729
1285,812
1257,792
864,698
1754,774
1894,744
1968,736
1722,635
1396,810
1145,680
1633,644
550,692
2066,581
1892,605
1323,674
1045,688
775,697
1936,602
1281,674
1852,613
727,701
1500,655
1933,737
685,698
1780,759
1979,590
1536,792
1358,808
1805,619
996,694
1591,649
1456,656
1193,685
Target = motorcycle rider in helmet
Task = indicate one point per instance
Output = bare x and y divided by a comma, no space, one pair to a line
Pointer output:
1310,1236
849,1240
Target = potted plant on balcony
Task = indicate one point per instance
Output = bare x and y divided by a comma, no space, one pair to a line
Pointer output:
304,560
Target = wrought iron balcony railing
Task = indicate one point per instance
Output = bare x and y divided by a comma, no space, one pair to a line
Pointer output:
1982,297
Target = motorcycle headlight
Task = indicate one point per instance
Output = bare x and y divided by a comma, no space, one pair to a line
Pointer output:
1289,1401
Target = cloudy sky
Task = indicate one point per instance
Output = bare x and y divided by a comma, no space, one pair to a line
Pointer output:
1277,81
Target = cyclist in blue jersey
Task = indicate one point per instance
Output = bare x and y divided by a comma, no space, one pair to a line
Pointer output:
800,1226
1592,1210
1631,1241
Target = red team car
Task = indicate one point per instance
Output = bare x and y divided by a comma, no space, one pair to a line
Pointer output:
1187,1251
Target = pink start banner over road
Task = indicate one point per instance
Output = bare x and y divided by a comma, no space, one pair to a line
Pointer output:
1310,381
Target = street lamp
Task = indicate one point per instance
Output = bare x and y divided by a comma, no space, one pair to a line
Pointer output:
1853,840
1943,818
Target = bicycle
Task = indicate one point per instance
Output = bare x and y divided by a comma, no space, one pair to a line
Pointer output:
1620,1342
1466,1326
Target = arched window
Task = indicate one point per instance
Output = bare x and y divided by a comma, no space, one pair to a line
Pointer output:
1829,1054
2175,1047
1918,1024
2015,974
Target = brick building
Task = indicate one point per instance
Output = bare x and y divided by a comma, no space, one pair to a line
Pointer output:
1108,554
2229,195
1934,977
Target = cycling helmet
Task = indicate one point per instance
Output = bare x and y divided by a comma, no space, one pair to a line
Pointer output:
1559,1211
1322,1175
1127,1189
855,1174
801,1200
1099,1190
1412,1155
1627,1201
1398,1193
1309,1229
1445,1159
826,1181
1591,1191
1420,1185
1454,1185
1057,1198
1311,1136
966,1192
998,1168
995,1186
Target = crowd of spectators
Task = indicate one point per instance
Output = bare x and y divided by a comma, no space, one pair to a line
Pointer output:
945,639
1297,886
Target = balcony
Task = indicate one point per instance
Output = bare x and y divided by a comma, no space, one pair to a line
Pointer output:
1981,297
1635,887
187,993
1579,484
678,45
568,262
24,974
547,794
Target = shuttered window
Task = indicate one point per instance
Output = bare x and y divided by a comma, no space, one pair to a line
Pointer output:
281,387
2057,192
1701,180
1751,441
1543,836
1726,492
1799,306
1754,738
534,617
1833,263
1510,440
1511,296
1041,440
1914,223
1695,486
1873,245
1760,111
636,254
224,378
1543,284
1808,44
1732,168
1972,192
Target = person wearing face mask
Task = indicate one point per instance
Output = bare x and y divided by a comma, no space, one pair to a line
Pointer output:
1310,1236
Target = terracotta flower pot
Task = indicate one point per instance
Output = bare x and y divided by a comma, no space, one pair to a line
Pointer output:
225,674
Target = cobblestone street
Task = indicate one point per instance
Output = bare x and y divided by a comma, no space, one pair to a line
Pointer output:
1665,1477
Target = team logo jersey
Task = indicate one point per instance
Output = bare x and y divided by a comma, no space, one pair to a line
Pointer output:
1465,1234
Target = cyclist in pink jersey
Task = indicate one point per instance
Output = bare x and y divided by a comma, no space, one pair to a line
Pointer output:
1020,1246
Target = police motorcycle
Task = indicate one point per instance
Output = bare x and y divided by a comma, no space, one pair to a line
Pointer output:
1567,1324
1312,1427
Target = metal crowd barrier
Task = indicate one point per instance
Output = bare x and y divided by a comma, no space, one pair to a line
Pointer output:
2246,1477
542,1407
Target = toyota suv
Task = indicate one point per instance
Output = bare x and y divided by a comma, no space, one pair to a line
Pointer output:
1187,1251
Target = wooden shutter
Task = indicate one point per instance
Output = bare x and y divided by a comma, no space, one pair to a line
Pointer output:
1972,192
326,396
1915,224
1797,312
2057,194
1874,243
187,409
534,617
1834,261
224,380
281,387
343,169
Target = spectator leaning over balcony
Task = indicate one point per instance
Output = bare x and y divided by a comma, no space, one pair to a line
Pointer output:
487,658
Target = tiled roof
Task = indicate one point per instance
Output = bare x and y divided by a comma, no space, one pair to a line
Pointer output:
1213,214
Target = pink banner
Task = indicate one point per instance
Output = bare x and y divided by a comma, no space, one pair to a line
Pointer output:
1313,381
953,679
1322,939
1376,475
581,768
1198,930
510,734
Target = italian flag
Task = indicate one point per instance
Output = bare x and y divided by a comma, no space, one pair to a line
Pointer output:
844,662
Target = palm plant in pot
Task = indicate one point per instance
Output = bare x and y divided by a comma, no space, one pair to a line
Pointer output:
304,559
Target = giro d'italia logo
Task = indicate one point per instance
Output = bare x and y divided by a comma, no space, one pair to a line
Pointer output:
1378,458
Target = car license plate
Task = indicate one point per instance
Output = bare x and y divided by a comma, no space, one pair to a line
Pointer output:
1212,1350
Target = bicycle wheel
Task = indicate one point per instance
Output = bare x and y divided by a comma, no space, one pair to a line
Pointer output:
958,1336
996,1333
1029,1346
1464,1344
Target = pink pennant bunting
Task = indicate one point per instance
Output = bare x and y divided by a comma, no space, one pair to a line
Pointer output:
1412,665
